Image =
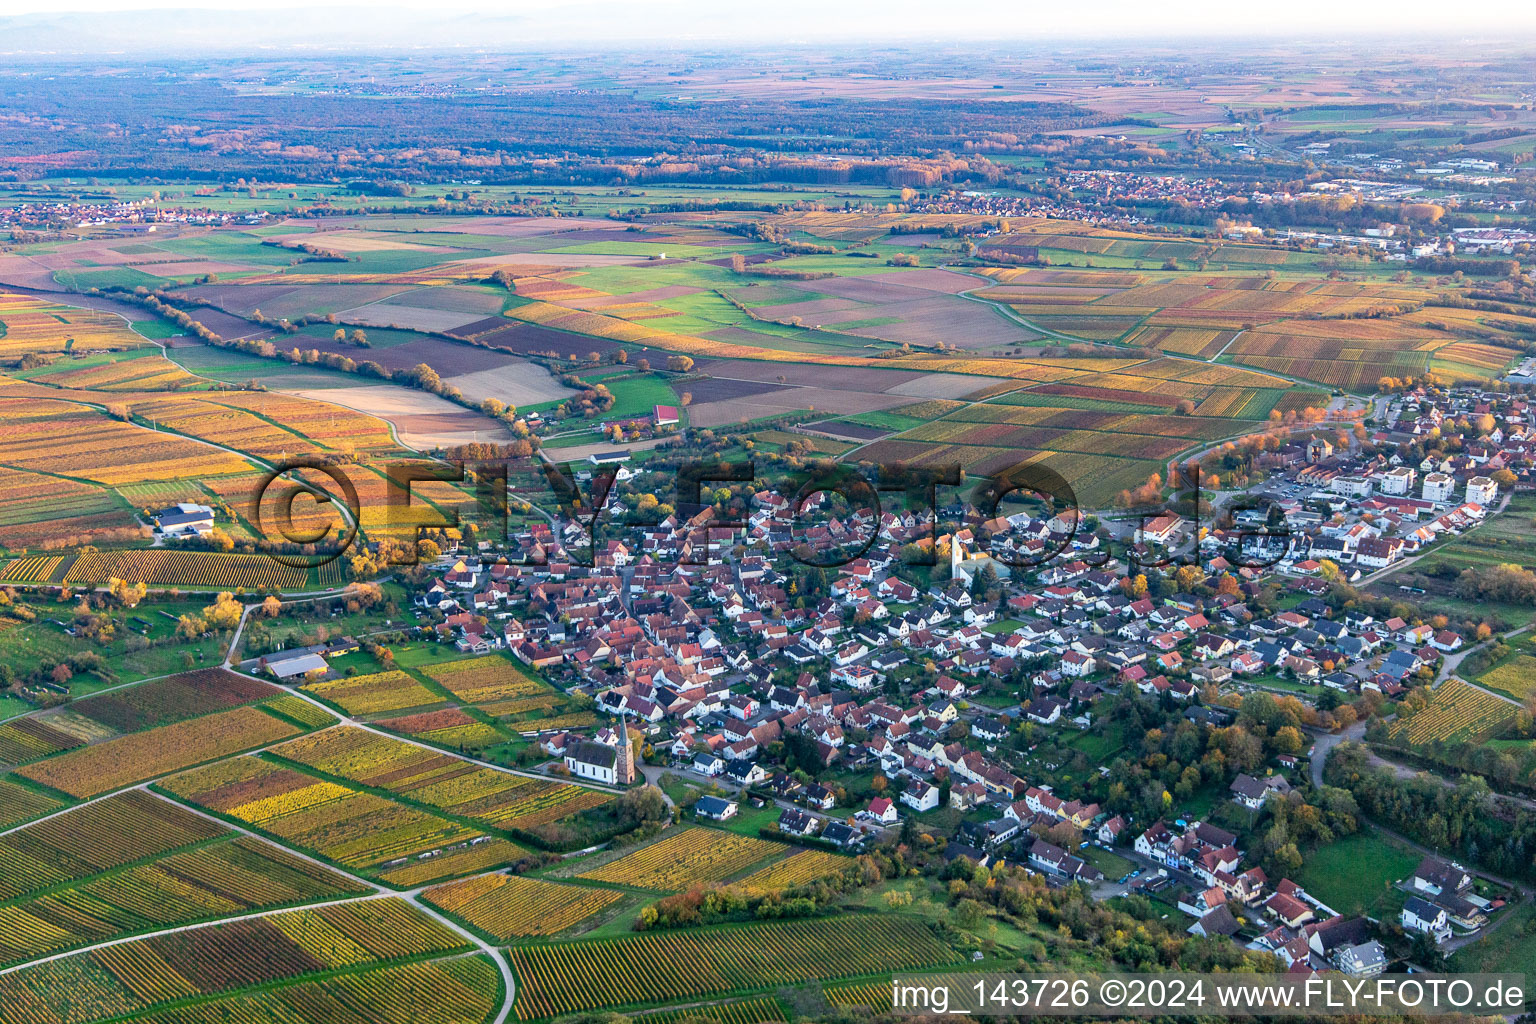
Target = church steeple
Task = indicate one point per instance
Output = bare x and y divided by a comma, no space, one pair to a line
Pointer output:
624,766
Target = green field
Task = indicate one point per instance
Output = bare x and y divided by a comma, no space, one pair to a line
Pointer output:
1356,873
1112,864
1508,948
1505,538
131,654
1515,673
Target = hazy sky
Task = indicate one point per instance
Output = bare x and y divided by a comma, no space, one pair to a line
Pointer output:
876,19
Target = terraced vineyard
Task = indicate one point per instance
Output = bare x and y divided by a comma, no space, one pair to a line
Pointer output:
508,907
692,856
1456,711
269,955
575,976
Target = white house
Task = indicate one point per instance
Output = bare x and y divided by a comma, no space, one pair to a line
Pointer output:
1251,792
924,796
1075,664
1420,915
1398,480
1439,487
1482,490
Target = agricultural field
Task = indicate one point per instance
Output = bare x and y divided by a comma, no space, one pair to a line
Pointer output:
300,711
27,739
1515,675
173,699
1455,712
344,825
1303,327
493,683
762,1010
33,325
508,907
201,570
684,859
467,859
373,861
134,758
375,693
874,996
574,976
794,870
491,798
137,863
44,433
20,803
1105,432
450,727
267,954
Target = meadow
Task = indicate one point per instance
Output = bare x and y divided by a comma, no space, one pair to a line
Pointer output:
1357,874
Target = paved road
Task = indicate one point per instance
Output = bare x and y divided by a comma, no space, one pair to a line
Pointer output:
1325,744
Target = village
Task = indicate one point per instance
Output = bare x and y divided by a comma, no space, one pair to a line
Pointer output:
859,703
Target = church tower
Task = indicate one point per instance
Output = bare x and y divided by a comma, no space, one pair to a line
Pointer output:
624,767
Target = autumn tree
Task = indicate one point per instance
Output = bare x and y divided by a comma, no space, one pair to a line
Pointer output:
128,594
224,613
